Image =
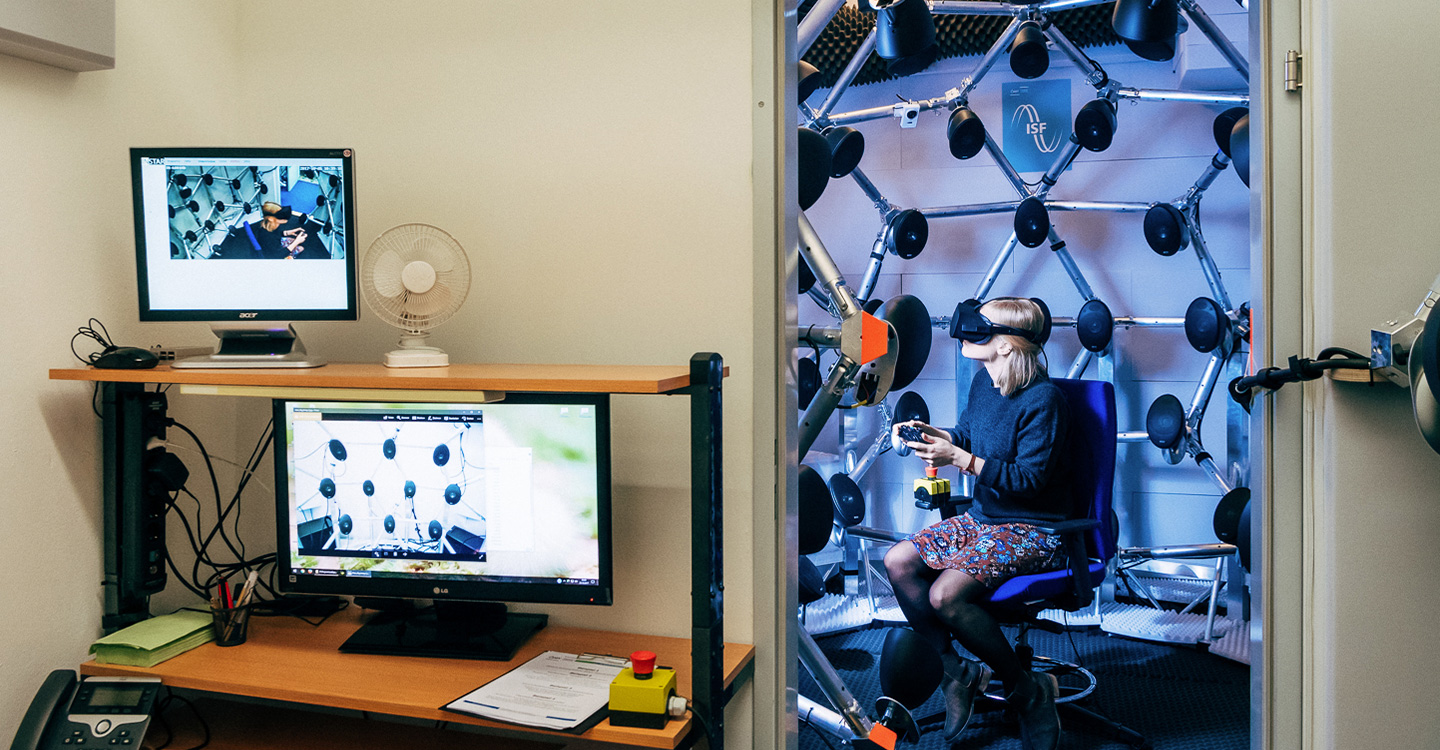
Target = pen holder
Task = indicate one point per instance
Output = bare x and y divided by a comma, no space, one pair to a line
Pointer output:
231,624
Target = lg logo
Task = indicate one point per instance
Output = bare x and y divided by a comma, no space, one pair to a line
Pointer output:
439,590
1035,128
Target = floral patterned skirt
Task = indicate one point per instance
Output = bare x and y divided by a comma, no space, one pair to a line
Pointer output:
989,553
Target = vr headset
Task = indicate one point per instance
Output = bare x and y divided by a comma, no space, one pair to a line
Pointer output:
968,324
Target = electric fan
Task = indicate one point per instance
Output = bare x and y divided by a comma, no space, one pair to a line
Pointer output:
414,277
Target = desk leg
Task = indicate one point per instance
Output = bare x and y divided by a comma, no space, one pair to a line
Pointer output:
134,515
707,568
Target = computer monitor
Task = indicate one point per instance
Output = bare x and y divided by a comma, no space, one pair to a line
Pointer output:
247,240
468,505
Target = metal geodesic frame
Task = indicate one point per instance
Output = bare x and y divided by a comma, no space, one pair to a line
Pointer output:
1174,428
1185,206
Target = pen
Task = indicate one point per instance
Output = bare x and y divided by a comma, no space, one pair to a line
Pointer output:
225,593
249,589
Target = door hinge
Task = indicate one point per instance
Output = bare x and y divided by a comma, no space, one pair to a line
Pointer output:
1292,70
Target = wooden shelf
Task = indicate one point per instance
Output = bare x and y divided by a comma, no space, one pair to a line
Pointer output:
458,377
286,659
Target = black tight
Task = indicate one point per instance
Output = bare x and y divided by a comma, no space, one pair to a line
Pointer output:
940,604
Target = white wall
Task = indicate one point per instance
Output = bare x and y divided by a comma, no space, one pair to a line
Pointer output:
1159,150
70,257
1374,516
594,161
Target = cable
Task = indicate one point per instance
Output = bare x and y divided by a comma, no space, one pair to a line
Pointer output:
100,336
819,733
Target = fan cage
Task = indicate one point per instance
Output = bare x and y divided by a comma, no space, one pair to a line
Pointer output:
386,295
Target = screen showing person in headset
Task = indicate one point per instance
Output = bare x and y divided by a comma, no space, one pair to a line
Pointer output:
198,211
443,491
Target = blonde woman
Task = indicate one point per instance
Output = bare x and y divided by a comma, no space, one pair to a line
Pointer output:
943,574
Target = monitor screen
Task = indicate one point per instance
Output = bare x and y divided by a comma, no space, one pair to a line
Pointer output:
244,234
506,501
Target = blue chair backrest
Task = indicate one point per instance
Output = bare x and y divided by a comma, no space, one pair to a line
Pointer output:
1090,456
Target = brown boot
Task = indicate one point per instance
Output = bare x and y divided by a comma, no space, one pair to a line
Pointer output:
1034,703
964,679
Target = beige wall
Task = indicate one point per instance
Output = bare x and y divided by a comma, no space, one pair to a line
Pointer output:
595,161
1375,518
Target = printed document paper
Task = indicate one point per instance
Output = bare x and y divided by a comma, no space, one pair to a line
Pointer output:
554,690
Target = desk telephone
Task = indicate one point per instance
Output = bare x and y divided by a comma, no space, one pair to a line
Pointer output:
92,713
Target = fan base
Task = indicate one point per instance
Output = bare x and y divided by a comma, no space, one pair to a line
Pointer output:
428,357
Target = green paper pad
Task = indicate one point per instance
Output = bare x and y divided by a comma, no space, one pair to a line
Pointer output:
152,641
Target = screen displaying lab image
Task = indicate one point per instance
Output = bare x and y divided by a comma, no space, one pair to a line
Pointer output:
276,212
197,210
376,496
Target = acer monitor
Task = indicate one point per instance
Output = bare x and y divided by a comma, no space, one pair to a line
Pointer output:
248,240
470,506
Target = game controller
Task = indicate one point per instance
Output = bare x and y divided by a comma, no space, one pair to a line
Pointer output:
909,434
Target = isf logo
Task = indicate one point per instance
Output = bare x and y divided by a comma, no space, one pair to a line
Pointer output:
1027,115
1037,122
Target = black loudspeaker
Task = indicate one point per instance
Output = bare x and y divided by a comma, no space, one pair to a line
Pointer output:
807,80
1095,325
966,133
1225,125
847,146
1028,56
807,277
1206,324
1095,125
911,407
1032,222
1165,422
1228,513
910,668
911,321
347,524
809,381
849,500
814,166
1240,148
906,233
812,582
1166,230
1148,27
817,512
904,30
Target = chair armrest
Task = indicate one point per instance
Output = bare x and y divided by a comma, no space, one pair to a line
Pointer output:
1073,541
1069,527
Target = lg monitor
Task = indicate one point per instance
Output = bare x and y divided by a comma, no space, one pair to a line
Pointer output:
247,240
468,505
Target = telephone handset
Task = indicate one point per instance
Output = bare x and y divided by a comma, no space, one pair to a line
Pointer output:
94,712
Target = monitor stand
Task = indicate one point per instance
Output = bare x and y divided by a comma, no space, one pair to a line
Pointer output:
450,630
253,345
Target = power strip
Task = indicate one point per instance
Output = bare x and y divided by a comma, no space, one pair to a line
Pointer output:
172,353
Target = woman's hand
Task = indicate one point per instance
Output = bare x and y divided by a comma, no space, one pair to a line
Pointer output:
937,450
297,240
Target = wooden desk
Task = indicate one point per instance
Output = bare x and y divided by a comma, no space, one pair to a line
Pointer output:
288,660
126,407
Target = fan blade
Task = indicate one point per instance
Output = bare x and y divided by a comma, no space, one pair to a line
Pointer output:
385,274
431,303
457,280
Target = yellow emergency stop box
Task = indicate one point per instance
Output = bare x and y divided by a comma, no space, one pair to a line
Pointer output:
641,703
931,491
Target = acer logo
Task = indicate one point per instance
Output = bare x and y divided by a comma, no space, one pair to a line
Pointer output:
245,316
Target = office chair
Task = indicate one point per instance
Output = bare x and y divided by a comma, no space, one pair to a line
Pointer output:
1089,542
